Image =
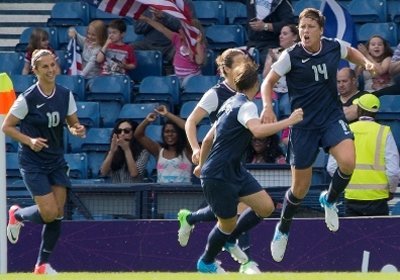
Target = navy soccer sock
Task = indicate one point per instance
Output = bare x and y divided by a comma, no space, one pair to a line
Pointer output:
247,220
30,213
202,215
289,208
216,240
244,243
337,186
50,234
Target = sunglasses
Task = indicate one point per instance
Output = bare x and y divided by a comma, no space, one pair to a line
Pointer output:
125,130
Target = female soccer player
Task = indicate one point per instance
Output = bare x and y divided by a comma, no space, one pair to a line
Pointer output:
40,113
310,67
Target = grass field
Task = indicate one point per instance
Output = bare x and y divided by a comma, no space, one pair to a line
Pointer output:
198,276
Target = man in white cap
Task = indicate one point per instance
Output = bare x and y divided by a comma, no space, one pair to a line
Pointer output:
377,171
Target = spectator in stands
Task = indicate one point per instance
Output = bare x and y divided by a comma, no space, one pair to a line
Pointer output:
394,67
377,50
265,150
266,19
224,180
173,164
347,85
115,56
39,40
186,62
288,37
376,176
96,37
40,112
126,161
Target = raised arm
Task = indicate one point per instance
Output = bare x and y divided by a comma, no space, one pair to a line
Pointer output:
158,26
191,131
163,111
267,114
147,143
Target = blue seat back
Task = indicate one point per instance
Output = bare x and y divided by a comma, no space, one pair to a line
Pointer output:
22,82
187,108
389,108
89,113
210,12
95,13
159,88
368,11
149,63
225,36
11,145
69,13
97,140
109,111
202,131
196,86
63,38
387,30
236,13
138,112
12,167
76,84
78,165
110,87
154,132
11,62
209,68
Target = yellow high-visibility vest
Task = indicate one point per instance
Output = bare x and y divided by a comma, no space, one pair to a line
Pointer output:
369,180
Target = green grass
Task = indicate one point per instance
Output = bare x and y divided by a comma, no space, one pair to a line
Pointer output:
198,276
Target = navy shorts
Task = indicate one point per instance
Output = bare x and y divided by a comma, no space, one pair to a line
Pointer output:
304,144
223,196
39,183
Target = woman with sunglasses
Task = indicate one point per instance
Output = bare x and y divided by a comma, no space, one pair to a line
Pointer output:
41,112
126,161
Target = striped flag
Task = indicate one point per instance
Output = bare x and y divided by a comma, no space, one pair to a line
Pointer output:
134,8
74,58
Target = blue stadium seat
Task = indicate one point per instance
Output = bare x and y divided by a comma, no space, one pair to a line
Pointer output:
69,13
78,165
151,168
63,38
394,11
12,168
368,11
106,17
396,209
150,63
110,87
209,68
389,108
196,86
299,6
76,84
202,131
187,108
89,113
26,34
97,140
236,13
11,145
95,160
225,36
154,132
138,112
109,111
210,12
22,82
164,89
11,62
62,61
130,35
387,30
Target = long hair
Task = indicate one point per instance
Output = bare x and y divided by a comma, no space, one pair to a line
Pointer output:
181,143
119,160
272,150
37,35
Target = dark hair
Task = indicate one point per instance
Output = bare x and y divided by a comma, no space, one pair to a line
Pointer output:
313,14
387,51
245,76
119,157
293,28
181,143
272,150
37,35
118,24
364,113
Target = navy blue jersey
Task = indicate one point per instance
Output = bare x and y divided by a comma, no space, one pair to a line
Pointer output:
311,81
231,140
43,116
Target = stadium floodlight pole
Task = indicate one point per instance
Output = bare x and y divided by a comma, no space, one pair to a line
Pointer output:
7,97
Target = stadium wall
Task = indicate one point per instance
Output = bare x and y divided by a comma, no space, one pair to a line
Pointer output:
361,244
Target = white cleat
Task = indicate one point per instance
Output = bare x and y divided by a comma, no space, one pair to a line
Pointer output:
250,268
331,213
236,252
278,244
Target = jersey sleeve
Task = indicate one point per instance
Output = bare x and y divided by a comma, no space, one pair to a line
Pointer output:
209,101
20,108
72,105
283,64
247,111
343,48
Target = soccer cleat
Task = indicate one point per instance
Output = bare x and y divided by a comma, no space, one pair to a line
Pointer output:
236,252
278,244
44,268
331,212
214,267
184,228
14,226
250,268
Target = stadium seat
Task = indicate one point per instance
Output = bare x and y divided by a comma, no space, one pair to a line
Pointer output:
22,82
63,38
11,145
69,13
210,12
164,89
11,63
109,111
89,113
394,11
225,36
130,35
299,6
150,63
95,160
78,165
12,168
387,30
110,87
95,13
209,68
154,132
62,61
187,108
202,131
97,140
389,108
26,34
396,209
76,84
138,112
196,86
236,13
368,11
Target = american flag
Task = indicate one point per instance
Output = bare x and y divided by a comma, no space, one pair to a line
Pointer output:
134,8
74,58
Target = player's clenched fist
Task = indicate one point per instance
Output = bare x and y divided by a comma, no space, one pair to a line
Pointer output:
296,116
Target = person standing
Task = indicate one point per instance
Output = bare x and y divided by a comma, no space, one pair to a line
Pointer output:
224,179
40,113
310,67
376,176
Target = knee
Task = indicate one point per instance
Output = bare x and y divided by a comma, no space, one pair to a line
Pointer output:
49,214
266,211
347,167
227,227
